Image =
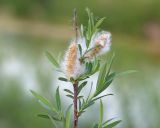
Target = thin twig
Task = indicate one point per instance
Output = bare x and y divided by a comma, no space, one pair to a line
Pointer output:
75,24
75,84
75,87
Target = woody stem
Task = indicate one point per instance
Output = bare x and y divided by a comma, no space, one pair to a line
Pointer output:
75,87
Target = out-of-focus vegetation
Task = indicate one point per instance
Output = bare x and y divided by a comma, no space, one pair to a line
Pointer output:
122,16
28,28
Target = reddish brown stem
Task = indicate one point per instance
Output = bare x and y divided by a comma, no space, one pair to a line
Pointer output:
75,84
75,87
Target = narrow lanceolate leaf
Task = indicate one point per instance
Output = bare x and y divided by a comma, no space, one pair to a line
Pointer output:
68,91
48,117
126,72
106,122
101,79
80,104
101,114
43,101
111,125
58,99
80,49
95,126
68,117
43,116
70,96
110,64
63,79
101,76
53,122
89,94
82,86
52,59
106,84
99,22
101,97
80,97
105,78
82,30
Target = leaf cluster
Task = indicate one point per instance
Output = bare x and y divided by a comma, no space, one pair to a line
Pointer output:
55,112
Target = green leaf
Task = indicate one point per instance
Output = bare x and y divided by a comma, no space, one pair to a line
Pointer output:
43,101
82,30
96,66
68,117
126,72
58,99
63,79
89,27
48,117
102,74
101,97
43,116
53,121
95,126
70,96
106,84
110,64
104,78
52,59
99,22
80,49
68,91
89,67
80,97
88,104
111,125
89,94
80,104
101,114
101,79
108,121
82,86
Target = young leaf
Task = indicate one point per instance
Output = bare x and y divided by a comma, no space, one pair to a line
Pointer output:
101,114
82,30
58,99
68,117
111,125
80,104
53,122
101,79
109,80
43,116
90,92
126,72
82,86
70,96
99,22
48,117
95,126
63,79
104,78
110,64
80,97
68,91
80,49
43,101
108,121
52,59
101,97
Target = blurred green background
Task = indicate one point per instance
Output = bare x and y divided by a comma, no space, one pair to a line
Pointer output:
30,27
